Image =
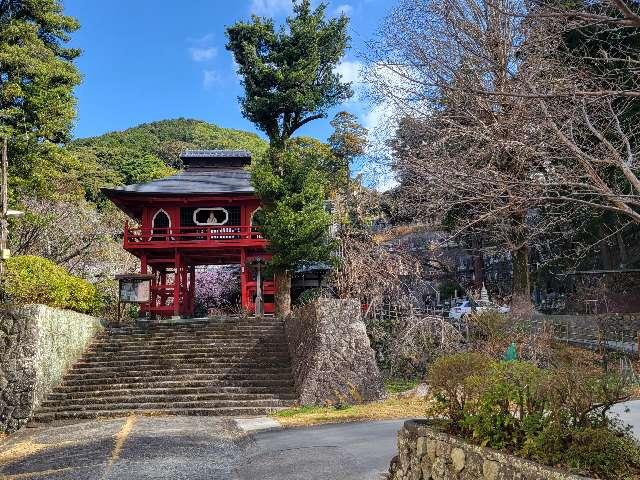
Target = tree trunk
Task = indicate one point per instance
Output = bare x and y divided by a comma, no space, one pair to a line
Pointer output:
283,294
521,297
478,270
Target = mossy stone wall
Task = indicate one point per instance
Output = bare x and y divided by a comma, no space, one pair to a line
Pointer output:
38,344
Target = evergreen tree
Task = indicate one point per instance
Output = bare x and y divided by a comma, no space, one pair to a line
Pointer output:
289,80
37,78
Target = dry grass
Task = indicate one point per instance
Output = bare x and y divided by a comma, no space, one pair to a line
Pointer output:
387,409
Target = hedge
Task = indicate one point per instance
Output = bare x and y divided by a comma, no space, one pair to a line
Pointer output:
32,279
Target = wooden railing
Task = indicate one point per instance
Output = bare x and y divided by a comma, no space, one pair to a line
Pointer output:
231,234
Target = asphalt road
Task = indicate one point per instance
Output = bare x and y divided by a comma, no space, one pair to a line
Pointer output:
629,413
349,451
195,448
133,448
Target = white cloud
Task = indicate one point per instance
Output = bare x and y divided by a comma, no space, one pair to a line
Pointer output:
270,8
210,78
202,54
204,40
344,9
350,71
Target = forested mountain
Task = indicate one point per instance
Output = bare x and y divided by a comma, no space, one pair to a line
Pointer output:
151,150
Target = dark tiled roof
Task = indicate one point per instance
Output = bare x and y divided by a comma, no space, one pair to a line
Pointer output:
215,154
194,182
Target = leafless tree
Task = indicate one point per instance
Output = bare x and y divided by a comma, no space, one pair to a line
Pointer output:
466,149
73,234
369,269
584,76
515,116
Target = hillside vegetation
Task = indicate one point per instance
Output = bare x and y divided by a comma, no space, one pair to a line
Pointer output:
151,151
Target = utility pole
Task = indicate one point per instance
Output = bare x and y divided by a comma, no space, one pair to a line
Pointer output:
5,213
4,208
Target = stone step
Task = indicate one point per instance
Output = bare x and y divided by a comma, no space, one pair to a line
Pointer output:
183,370
186,370
143,397
170,331
174,404
167,382
186,345
198,357
232,360
110,392
219,350
200,412
194,331
106,377
205,339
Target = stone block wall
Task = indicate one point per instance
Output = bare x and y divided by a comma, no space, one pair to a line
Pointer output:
426,454
332,359
37,345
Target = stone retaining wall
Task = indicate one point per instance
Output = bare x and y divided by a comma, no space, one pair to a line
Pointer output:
426,454
332,359
37,345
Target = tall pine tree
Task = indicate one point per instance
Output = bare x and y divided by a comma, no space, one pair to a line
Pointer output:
289,80
37,78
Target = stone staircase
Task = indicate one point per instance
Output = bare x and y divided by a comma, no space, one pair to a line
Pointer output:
230,367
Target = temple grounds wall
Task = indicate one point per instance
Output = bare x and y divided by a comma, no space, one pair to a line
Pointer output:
332,359
427,454
37,345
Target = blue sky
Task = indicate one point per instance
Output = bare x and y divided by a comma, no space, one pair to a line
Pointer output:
146,60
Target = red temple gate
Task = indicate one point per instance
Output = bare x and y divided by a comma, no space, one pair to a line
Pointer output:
201,216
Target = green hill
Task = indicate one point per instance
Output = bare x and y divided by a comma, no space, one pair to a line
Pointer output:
151,151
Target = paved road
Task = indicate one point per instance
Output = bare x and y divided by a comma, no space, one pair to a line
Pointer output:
133,448
629,412
351,451
144,448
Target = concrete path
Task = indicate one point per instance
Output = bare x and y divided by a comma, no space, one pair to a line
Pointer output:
196,448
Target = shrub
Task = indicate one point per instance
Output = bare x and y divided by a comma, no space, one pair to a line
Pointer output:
31,279
556,416
448,379
509,402
493,332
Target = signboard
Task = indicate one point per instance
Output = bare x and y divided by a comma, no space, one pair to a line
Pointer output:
134,288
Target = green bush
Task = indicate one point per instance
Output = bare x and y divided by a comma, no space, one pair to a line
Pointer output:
448,380
31,279
556,416
509,403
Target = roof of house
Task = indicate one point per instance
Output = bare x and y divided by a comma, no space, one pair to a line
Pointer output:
215,154
207,172
192,182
